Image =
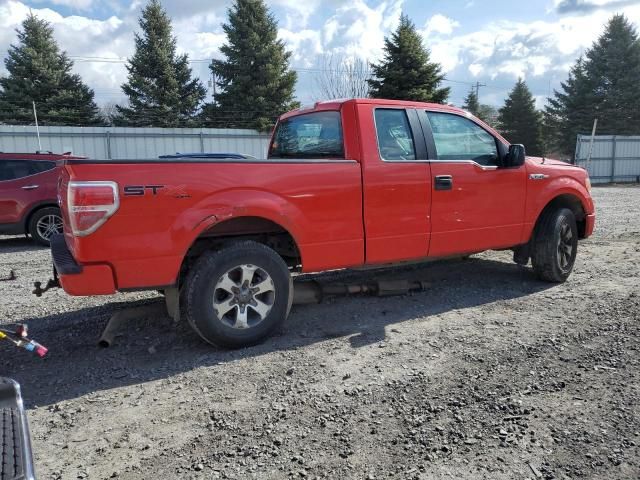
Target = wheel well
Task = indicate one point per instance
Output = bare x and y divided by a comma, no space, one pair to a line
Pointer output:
571,202
32,212
258,229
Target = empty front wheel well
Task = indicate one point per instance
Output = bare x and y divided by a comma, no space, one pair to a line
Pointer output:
258,229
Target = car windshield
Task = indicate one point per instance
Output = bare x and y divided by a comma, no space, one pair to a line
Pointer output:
312,135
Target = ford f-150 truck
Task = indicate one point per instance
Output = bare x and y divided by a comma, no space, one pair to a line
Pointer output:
346,184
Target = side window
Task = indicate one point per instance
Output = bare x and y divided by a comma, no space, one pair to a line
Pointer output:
311,135
40,166
395,139
13,169
458,138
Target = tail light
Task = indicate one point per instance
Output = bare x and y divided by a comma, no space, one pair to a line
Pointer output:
90,204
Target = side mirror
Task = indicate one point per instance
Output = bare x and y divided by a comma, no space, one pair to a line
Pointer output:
516,155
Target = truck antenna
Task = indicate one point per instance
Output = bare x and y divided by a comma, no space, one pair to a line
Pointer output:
35,115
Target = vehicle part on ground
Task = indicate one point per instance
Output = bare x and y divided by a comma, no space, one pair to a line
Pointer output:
118,319
44,223
237,296
20,339
308,292
51,283
16,460
555,245
10,277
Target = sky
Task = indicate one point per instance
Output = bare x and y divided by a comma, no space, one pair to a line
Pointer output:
491,42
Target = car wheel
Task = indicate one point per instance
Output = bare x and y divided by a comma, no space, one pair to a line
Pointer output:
555,245
237,296
44,223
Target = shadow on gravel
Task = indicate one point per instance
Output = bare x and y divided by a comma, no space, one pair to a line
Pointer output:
154,348
18,244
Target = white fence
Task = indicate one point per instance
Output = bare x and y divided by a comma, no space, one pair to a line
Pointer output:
104,143
614,158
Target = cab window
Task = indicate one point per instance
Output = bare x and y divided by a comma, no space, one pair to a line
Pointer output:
395,140
311,135
458,138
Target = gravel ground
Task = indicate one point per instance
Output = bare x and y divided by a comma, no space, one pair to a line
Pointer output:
487,374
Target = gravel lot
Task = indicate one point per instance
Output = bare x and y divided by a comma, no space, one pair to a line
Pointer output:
487,374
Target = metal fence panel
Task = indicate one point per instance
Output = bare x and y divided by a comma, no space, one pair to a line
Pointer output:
614,158
104,143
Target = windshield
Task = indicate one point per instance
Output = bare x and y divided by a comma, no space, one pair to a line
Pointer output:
312,135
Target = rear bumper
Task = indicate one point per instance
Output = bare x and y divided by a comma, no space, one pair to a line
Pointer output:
80,280
590,225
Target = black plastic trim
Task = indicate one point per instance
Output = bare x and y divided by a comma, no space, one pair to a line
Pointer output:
63,260
15,451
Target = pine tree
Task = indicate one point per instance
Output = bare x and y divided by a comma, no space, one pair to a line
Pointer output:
519,120
39,72
488,114
160,86
406,72
603,85
471,103
568,112
255,80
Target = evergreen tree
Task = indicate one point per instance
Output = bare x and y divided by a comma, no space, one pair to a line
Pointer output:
568,111
603,85
39,72
160,86
406,72
255,80
519,120
488,114
471,103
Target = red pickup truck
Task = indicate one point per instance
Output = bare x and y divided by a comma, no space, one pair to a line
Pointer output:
346,184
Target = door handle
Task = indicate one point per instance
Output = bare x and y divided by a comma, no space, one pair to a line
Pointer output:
30,187
443,182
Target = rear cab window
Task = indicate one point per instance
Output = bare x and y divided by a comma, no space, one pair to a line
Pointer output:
309,135
395,140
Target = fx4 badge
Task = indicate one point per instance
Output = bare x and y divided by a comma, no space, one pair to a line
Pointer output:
139,190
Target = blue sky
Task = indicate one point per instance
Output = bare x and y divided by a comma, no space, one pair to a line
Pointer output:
493,42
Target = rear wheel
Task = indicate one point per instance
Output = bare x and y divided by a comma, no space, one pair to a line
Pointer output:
237,296
555,246
44,223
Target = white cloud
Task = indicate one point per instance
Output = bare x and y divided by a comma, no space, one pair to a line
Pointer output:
518,49
306,45
440,24
358,30
298,12
77,4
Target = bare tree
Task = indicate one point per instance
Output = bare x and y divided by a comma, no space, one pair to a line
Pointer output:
342,77
109,113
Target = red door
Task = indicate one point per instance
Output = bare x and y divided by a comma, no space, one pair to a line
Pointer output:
476,205
396,185
24,183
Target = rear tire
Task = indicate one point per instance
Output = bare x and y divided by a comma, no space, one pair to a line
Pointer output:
555,245
237,296
44,223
